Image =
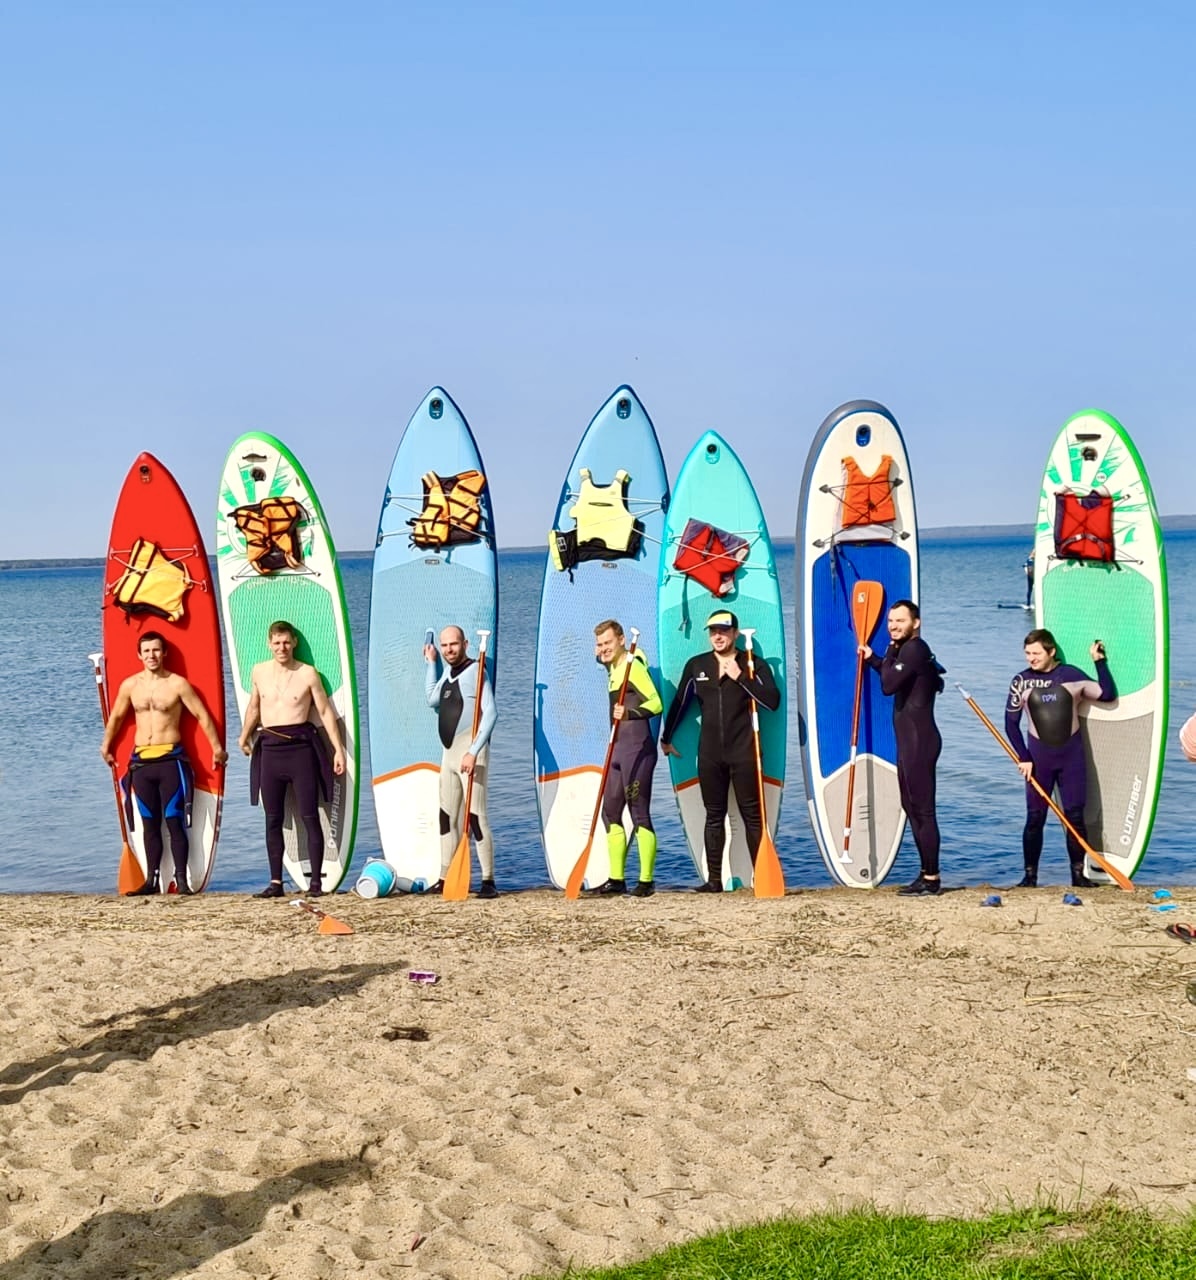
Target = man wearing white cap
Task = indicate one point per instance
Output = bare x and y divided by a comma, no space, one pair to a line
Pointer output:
718,681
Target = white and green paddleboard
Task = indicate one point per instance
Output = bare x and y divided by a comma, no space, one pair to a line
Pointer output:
310,596
1123,603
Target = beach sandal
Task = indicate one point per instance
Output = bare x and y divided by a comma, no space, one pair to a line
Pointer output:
1184,932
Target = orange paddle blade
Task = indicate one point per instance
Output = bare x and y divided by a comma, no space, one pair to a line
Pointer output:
578,874
456,879
130,877
769,880
330,925
867,603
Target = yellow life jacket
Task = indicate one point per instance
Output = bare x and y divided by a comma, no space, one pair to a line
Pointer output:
606,529
271,534
452,511
867,499
151,583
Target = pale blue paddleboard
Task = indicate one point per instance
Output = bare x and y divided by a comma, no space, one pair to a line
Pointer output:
834,552
714,488
572,707
417,590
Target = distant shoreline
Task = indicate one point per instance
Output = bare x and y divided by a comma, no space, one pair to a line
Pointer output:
946,533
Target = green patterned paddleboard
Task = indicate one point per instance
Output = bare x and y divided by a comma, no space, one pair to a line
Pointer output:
309,595
1123,603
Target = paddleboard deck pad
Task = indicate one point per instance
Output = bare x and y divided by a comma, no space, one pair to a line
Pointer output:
426,576
1095,501
856,522
290,575
713,490
572,706
158,566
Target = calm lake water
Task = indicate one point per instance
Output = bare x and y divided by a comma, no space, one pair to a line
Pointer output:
58,830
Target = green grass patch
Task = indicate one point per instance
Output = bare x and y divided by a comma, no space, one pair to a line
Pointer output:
1103,1243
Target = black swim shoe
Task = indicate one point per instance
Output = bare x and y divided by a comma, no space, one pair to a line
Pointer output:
487,890
181,886
438,887
608,889
149,888
315,891
711,886
920,886
1080,881
272,890
1026,882
644,889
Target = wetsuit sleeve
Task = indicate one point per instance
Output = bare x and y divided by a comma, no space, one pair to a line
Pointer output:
1013,720
641,681
433,684
488,719
681,700
1108,690
763,688
903,664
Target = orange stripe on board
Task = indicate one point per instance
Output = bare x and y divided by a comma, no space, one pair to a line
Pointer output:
569,773
398,773
693,782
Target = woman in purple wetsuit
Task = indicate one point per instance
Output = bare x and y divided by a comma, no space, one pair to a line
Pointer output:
1051,692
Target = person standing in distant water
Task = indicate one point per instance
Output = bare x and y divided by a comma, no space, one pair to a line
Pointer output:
1051,692
718,681
453,696
289,752
159,775
629,782
911,676
1029,568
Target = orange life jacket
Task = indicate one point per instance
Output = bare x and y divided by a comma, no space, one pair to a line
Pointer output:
710,556
1084,526
152,583
867,499
271,537
452,511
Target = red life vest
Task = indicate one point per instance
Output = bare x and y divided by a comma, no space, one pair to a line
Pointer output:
1084,526
710,556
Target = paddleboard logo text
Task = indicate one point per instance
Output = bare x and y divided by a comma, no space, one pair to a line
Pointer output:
1131,814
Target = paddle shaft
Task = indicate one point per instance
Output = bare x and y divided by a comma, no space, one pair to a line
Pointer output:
1122,881
747,634
460,862
578,874
769,880
855,743
97,660
867,599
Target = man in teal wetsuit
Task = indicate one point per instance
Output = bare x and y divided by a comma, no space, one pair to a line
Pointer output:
629,782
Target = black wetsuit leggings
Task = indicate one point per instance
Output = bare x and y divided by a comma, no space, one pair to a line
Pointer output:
629,783
716,778
294,765
918,750
161,793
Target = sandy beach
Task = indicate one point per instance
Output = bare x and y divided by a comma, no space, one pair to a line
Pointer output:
209,1087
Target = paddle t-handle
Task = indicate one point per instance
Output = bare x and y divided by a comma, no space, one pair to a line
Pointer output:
1119,878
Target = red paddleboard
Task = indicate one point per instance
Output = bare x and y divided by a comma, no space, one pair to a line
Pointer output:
151,509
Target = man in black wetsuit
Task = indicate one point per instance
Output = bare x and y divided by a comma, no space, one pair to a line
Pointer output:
912,677
719,682
1051,692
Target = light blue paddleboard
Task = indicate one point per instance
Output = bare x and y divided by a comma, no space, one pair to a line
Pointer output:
416,590
572,707
831,559
713,487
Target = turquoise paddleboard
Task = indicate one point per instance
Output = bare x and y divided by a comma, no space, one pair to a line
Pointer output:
309,595
714,488
419,589
572,707
1123,603
842,541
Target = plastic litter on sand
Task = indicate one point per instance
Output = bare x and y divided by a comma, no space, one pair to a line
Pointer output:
993,900
425,977
1072,900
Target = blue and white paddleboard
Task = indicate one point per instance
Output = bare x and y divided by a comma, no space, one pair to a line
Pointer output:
572,707
416,590
832,556
714,488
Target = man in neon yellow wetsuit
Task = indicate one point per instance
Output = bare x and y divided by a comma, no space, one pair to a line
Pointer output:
629,782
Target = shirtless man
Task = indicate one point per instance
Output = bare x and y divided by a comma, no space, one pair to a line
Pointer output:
1051,693
289,751
159,775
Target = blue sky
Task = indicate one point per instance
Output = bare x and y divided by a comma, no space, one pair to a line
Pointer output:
298,217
